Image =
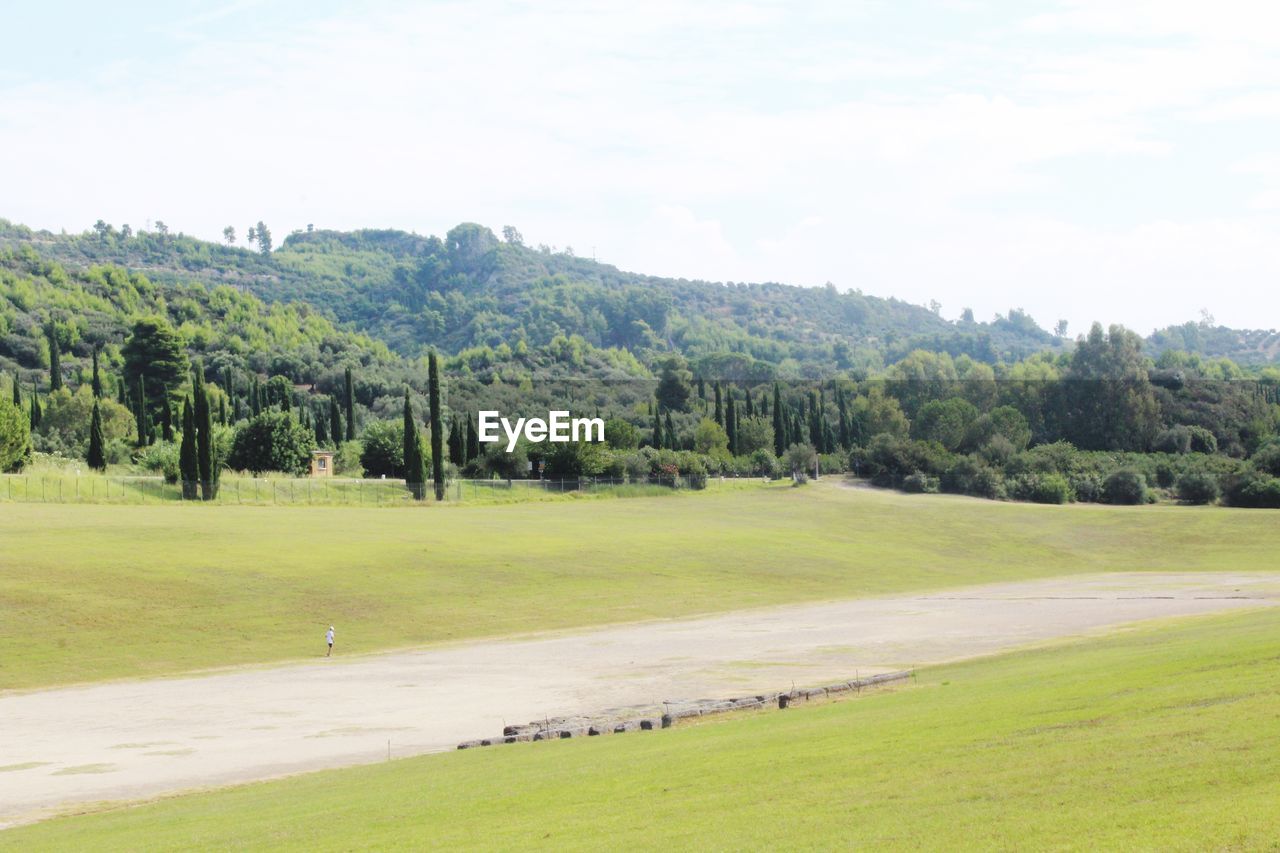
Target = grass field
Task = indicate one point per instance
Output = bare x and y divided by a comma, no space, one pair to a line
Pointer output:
1162,737
93,592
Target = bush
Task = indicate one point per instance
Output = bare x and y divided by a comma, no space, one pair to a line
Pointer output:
1175,439
1166,475
1267,459
161,457
1125,486
920,483
272,441
1252,489
1198,487
1041,489
970,476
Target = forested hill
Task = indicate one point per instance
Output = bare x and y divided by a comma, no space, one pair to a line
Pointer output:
472,289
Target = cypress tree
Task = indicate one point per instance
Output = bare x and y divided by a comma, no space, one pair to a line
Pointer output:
731,423
657,430
166,419
97,377
456,448
719,405
843,409
255,397
779,423
412,452
188,465
37,414
702,390
96,456
473,440
351,405
122,394
222,410
17,392
335,420
140,415
204,437
55,358
764,403
322,431
670,440
437,425
750,406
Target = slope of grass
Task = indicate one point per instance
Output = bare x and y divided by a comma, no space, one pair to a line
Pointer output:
1162,737
92,592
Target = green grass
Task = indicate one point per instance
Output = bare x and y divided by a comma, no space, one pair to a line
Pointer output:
1163,737
96,592
91,592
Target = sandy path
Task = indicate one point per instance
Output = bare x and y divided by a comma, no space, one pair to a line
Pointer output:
138,739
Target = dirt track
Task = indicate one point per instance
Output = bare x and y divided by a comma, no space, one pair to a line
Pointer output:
129,740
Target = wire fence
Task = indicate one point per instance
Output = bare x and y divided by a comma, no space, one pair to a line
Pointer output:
54,487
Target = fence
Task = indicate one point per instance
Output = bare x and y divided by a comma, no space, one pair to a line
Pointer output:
54,487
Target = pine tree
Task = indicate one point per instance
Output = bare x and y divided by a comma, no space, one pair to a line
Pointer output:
657,430
719,405
188,463
437,425
473,440
204,437
335,420
779,423
55,358
96,456
97,377
351,405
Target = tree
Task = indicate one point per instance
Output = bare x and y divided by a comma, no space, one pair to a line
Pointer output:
67,417
456,443
800,459
251,236
754,434
161,228
55,358
204,436
188,463
719,411
437,424
944,421
349,385
273,441
36,412
621,435
779,425
264,238
229,234
335,421
15,435
512,236
382,449
1060,329
473,440
412,451
17,392
96,456
670,440
709,439
141,413
154,351
731,423
1106,401
97,377
657,429
674,390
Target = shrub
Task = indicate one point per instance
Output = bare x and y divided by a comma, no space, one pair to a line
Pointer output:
920,483
161,457
970,476
1267,459
1125,486
1175,439
1252,489
1041,488
1198,487
1166,475
272,441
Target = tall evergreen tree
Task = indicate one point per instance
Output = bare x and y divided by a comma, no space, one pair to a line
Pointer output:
222,410
473,440
413,473
843,408
731,423
141,415
96,457
17,392
55,358
166,419
749,405
350,387
457,448
335,420
97,377
702,390
437,424
657,430
204,437
37,414
188,462
255,396
670,439
779,423
719,405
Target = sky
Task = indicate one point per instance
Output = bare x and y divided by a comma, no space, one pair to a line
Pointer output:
1079,159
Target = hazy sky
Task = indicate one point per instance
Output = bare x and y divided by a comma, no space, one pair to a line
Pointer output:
1083,159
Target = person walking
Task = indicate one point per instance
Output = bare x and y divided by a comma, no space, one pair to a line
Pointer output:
328,638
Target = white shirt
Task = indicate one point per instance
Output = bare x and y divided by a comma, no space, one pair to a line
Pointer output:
328,636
